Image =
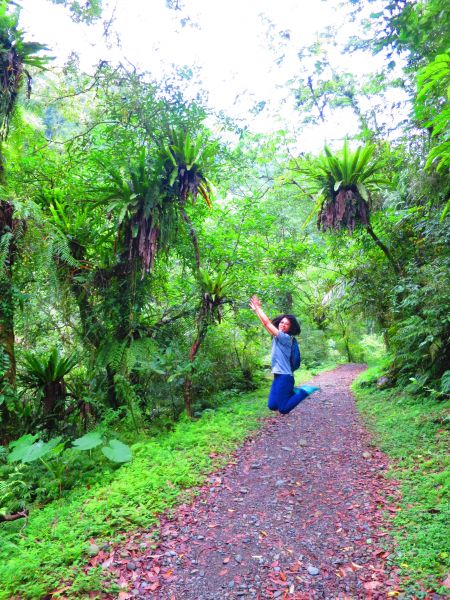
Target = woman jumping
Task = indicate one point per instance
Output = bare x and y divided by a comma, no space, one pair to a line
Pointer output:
283,395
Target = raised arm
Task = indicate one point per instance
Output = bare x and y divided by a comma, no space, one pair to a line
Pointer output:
255,305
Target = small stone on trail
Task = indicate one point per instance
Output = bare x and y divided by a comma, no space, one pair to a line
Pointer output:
131,566
367,455
93,550
255,466
302,443
238,558
313,571
279,482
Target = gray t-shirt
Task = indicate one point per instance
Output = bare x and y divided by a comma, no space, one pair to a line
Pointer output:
281,354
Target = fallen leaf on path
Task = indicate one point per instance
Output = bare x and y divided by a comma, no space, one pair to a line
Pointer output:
372,585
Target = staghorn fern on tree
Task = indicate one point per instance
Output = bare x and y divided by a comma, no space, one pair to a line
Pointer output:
148,198
15,55
343,183
46,374
213,289
146,217
191,159
345,180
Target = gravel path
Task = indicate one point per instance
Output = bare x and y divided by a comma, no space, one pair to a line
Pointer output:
299,513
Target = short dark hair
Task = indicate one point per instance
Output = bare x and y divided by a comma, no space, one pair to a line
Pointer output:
294,329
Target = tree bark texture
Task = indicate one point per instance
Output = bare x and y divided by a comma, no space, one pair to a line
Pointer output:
187,388
6,292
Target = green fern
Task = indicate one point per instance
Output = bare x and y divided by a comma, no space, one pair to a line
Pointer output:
342,182
50,368
5,245
113,354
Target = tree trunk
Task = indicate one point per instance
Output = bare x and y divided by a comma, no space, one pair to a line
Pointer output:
53,404
6,292
19,515
397,268
202,325
192,235
187,388
113,401
7,339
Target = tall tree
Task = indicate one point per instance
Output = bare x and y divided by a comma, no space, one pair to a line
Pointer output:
15,55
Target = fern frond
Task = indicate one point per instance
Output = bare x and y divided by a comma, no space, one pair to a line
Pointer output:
60,249
5,244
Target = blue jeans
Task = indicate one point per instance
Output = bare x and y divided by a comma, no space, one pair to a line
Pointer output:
282,396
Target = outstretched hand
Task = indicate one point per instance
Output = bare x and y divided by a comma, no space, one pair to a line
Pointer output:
254,302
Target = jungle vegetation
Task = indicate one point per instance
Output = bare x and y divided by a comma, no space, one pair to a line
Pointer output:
135,224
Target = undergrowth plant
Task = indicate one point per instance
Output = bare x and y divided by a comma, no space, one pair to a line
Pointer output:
163,468
414,431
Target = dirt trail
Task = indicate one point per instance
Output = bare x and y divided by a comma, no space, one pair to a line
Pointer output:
298,514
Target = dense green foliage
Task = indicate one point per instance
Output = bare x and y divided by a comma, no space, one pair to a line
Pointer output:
135,224
414,431
110,501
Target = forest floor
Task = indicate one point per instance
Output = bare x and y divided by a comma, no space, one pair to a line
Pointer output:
302,511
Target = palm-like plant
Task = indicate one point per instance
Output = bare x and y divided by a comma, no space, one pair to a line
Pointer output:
46,374
146,216
213,290
343,183
151,196
190,159
15,55
345,180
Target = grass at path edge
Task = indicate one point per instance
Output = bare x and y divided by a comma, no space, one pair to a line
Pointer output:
49,553
414,432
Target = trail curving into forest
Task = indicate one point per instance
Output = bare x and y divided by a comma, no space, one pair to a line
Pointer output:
299,513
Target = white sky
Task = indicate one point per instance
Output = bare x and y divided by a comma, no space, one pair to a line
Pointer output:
226,40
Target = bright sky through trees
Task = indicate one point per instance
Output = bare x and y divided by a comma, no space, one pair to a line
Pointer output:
245,52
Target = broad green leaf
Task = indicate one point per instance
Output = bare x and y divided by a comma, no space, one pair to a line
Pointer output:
173,176
363,191
88,441
40,449
117,451
20,447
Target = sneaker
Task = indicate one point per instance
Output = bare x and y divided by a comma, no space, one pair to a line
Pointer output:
309,389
